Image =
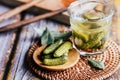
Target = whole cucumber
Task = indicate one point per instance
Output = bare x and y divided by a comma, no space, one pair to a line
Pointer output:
63,49
46,56
53,46
55,61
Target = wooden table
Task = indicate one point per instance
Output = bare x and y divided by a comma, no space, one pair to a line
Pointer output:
14,46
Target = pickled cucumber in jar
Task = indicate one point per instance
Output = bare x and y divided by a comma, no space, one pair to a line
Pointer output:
89,32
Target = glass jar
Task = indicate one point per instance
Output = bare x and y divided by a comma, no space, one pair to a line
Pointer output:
90,23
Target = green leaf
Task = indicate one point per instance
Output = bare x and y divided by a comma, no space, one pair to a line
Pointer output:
46,37
39,31
61,35
49,37
96,64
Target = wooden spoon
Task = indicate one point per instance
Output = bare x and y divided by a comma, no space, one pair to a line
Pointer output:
73,58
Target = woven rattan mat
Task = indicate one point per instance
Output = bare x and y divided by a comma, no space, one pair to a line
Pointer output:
81,71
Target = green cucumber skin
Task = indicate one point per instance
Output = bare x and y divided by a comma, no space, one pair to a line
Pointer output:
46,56
97,46
52,47
66,53
82,36
64,36
63,49
91,43
55,61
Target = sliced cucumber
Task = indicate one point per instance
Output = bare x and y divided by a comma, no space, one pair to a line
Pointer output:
78,42
93,15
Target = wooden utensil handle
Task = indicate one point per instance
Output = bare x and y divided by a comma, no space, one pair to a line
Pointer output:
17,10
26,21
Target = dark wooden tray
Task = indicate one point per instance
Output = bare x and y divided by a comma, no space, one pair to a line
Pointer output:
41,8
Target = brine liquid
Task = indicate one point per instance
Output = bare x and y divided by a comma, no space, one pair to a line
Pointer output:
90,32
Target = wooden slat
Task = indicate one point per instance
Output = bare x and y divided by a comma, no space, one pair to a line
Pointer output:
6,42
18,70
48,4
42,7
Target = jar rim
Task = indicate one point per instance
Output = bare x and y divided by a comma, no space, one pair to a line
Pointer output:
108,16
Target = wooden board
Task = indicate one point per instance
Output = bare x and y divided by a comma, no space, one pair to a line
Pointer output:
19,70
43,7
6,43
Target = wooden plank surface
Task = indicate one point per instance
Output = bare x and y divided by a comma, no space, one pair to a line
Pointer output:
6,42
19,70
